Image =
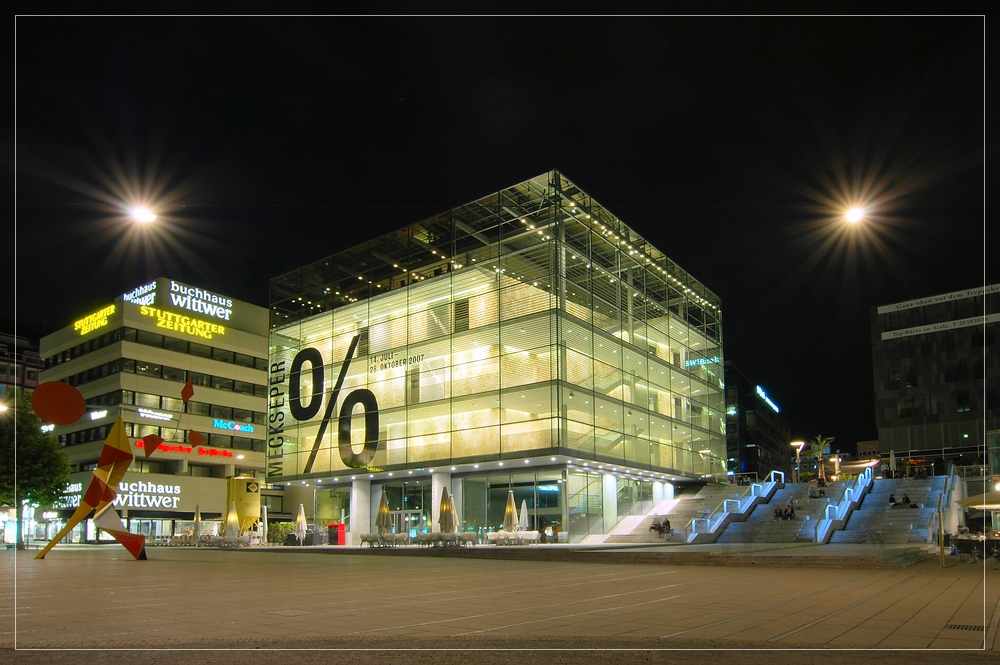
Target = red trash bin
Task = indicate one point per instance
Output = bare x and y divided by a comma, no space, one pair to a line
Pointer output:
335,531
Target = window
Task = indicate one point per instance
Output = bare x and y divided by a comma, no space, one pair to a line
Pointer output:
145,430
260,363
172,434
962,400
244,360
220,440
147,400
151,339
222,383
129,334
148,369
222,412
128,365
930,406
172,404
128,397
893,379
907,407
201,470
174,374
246,415
243,387
174,344
199,379
461,315
199,408
223,355
199,350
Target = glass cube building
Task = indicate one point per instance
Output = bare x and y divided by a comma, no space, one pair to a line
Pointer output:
528,341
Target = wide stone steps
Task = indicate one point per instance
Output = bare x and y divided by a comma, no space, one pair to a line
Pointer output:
687,508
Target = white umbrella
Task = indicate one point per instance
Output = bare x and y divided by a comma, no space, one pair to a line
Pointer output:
510,513
232,524
522,518
197,523
263,525
892,463
987,501
300,524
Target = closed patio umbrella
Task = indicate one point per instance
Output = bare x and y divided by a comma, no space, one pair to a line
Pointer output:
383,522
522,517
232,524
892,463
300,524
196,534
447,518
263,525
510,513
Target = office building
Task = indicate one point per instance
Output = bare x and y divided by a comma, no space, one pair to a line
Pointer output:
527,341
133,357
937,390
757,435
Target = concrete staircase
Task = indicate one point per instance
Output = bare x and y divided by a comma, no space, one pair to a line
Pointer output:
684,508
875,522
761,527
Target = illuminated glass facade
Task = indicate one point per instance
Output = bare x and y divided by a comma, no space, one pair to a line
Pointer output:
530,327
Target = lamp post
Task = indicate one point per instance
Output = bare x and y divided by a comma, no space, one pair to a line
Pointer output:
798,445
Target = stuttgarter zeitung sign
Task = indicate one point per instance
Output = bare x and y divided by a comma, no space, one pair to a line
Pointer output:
92,322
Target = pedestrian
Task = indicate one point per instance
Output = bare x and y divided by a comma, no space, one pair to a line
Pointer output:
777,513
892,499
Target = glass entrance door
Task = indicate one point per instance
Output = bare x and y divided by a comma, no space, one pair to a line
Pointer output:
405,521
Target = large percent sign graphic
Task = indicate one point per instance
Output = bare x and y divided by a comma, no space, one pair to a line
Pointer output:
362,396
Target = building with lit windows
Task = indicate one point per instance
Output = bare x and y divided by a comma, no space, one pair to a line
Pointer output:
527,341
937,378
758,437
133,357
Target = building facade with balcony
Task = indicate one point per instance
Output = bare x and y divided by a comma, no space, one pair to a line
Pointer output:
133,357
528,341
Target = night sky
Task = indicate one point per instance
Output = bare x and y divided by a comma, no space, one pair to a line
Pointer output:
732,144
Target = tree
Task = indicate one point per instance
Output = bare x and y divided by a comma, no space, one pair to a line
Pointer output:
42,468
815,450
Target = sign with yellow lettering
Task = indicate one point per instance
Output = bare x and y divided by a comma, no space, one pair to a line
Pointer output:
98,319
185,324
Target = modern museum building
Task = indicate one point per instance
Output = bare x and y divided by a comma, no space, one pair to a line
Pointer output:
527,341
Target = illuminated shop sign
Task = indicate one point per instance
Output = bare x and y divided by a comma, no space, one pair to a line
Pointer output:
147,495
141,295
202,452
198,300
181,323
97,415
92,322
155,415
763,396
70,497
697,362
47,428
230,425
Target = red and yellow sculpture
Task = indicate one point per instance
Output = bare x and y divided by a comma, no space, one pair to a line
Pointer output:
116,457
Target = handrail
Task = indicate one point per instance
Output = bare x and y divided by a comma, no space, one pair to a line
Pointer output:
839,511
742,500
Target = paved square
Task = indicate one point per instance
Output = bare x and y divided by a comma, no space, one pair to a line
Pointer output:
204,598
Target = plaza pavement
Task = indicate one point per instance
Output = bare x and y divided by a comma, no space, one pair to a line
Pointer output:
415,606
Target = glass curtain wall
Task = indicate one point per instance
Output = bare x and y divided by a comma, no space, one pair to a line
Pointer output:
528,321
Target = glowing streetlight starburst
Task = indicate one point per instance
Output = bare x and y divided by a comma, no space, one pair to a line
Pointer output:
855,215
142,214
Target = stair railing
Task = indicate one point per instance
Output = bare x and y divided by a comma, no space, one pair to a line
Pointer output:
838,512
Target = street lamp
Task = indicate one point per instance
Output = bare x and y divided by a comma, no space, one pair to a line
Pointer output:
142,214
798,445
855,215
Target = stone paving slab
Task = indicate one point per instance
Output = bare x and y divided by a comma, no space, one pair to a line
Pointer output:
205,599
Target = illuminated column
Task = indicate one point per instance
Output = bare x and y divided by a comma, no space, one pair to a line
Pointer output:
610,502
657,491
361,510
456,499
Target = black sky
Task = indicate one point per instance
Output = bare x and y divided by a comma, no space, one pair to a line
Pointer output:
274,141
